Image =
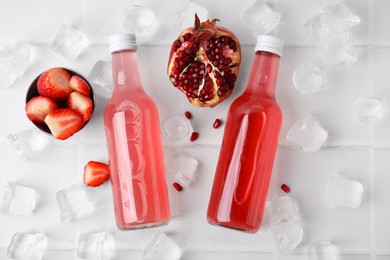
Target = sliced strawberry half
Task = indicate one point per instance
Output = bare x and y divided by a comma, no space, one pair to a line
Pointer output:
39,107
81,104
78,84
63,123
54,84
96,173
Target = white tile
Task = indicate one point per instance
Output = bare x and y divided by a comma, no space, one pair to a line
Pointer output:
380,20
382,257
381,195
381,89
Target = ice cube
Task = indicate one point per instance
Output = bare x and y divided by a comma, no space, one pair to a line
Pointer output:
28,143
14,59
185,13
25,246
96,245
139,20
371,111
343,192
176,130
161,248
338,53
261,18
324,251
330,30
283,209
69,43
307,133
182,168
310,78
331,25
101,78
74,203
340,12
286,235
17,199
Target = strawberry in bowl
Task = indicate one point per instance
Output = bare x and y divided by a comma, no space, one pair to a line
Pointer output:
60,102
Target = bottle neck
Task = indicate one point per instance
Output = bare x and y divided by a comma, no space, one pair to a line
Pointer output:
125,71
263,75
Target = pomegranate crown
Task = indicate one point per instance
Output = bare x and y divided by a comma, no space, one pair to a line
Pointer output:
206,25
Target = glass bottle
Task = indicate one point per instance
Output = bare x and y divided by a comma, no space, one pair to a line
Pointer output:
134,144
249,145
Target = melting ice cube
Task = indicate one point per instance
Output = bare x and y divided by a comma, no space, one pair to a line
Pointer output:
307,133
343,192
283,209
25,246
74,203
286,235
96,245
161,248
176,130
261,18
310,78
139,20
28,143
14,59
101,78
371,111
182,167
69,43
324,251
17,200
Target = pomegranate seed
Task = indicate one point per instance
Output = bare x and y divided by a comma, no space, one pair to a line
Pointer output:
285,188
177,186
217,123
188,114
194,136
209,68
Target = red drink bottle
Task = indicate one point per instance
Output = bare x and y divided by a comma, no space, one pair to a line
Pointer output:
134,144
249,145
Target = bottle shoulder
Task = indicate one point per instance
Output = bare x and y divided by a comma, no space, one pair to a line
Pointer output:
137,102
253,103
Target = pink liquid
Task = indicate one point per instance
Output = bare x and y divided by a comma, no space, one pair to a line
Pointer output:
135,149
248,149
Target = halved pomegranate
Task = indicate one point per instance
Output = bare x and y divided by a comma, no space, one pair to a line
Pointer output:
204,63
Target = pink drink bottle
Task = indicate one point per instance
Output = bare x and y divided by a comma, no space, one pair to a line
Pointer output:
249,145
135,151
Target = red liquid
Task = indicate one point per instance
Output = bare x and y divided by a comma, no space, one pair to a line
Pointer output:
135,149
248,149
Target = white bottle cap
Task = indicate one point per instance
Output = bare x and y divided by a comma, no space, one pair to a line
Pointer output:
270,44
120,42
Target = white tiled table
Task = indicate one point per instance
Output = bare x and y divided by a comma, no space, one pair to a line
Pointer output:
360,152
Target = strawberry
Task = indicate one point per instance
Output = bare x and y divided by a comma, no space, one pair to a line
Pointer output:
95,173
78,84
63,123
81,104
54,84
39,107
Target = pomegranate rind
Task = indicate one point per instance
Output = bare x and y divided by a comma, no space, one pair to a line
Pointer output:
205,31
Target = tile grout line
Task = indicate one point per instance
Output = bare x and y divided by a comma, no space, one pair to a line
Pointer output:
371,170
371,185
